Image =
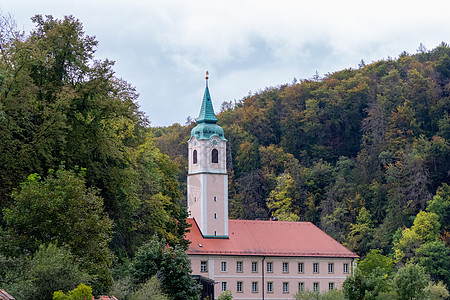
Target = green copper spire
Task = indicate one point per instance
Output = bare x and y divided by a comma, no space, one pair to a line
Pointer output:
207,111
206,122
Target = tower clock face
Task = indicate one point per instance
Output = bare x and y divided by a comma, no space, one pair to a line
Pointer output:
214,142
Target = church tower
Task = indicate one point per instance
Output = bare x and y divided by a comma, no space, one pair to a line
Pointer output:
207,181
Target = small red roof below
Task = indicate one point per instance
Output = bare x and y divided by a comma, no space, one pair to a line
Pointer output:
5,296
269,238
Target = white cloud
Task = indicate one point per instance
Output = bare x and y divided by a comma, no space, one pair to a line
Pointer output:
164,47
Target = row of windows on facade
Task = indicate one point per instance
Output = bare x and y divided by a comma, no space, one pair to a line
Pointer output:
269,267
214,156
270,286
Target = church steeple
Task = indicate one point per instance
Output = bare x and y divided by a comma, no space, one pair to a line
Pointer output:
207,182
206,122
207,111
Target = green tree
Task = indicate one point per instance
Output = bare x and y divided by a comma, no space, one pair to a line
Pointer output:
361,233
437,291
282,201
50,269
440,205
82,292
406,245
61,209
410,282
170,265
225,296
375,260
355,286
434,257
427,226
151,289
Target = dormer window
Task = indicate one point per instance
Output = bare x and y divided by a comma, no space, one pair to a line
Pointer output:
194,157
215,156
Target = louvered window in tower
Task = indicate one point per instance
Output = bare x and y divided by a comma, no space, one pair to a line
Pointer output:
194,157
215,156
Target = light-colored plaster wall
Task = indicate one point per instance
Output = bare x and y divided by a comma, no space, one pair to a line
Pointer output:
277,277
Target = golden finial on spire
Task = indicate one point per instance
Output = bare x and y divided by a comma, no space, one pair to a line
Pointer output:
207,73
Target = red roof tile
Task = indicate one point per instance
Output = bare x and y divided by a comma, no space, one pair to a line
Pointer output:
4,295
269,238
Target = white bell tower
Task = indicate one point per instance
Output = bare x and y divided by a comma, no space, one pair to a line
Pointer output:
207,181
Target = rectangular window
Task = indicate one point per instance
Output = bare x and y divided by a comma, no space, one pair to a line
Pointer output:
203,266
285,267
223,266
331,286
269,267
316,268
330,268
215,216
224,286
300,267
270,287
315,286
239,287
285,287
346,268
254,287
239,266
254,267
215,199
301,286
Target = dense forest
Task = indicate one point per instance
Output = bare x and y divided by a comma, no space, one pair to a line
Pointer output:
362,153
91,193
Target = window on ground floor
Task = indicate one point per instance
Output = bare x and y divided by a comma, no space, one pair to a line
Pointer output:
270,287
331,286
254,287
301,286
315,286
224,286
285,287
239,287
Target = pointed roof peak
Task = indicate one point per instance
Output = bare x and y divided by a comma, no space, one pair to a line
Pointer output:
207,111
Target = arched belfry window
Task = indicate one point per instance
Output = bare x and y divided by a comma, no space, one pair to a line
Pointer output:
215,156
194,157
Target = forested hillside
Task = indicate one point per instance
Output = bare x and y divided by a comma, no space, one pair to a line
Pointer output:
359,153
82,184
90,193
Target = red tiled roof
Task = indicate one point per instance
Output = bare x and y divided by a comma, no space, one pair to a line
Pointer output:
269,238
5,295
105,298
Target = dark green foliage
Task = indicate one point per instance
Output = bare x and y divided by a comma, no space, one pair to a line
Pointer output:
434,257
366,149
170,265
59,105
50,269
61,209
410,282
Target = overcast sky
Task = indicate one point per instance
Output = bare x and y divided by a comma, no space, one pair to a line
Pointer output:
163,48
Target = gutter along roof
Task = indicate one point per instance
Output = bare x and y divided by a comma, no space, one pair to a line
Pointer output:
267,238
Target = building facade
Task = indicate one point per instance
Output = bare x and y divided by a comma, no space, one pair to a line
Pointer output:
252,259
